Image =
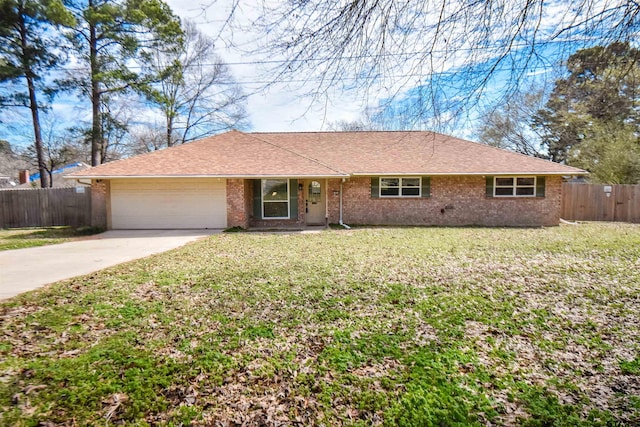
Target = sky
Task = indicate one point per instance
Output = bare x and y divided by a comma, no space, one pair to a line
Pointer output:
283,107
278,108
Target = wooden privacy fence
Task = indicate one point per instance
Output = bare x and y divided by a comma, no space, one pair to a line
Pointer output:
589,202
45,207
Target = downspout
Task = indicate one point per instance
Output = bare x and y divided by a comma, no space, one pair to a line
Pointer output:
342,223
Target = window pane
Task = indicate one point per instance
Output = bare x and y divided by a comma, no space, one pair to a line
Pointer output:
389,182
525,191
411,191
504,191
314,189
411,182
527,181
276,210
389,191
503,182
274,189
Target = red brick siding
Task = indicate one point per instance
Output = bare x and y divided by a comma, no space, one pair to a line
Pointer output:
248,202
236,205
455,200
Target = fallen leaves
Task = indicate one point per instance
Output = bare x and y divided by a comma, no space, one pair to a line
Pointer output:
321,329
112,404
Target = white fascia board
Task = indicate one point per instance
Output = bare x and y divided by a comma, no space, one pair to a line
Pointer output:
204,176
470,173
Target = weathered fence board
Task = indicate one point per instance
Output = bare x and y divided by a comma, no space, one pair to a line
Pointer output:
589,202
45,207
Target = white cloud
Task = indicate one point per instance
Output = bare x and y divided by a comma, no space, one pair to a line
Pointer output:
280,107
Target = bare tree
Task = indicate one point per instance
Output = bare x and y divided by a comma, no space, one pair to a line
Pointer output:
509,125
10,161
452,51
357,125
57,149
146,138
196,92
116,116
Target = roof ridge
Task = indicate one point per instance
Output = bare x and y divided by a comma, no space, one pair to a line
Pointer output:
296,153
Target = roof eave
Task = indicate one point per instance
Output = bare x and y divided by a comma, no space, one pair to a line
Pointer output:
564,173
321,176
225,176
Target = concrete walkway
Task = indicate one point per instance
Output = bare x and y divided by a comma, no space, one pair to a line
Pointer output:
22,270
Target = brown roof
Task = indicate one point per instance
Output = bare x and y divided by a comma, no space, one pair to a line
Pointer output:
327,154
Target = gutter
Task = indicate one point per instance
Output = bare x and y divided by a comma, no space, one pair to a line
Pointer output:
567,173
199,176
338,175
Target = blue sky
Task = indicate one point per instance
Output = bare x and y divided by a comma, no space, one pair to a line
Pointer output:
286,107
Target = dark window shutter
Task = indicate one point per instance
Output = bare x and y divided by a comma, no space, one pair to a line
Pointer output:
293,198
257,199
489,190
540,185
426,186
375,187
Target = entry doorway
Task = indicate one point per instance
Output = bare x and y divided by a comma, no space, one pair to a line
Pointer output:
315,202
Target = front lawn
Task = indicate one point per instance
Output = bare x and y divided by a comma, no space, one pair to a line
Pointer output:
19,238
406,326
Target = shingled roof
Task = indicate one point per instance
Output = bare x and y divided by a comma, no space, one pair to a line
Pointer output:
327,154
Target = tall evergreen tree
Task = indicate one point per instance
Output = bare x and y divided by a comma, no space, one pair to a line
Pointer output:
602,86
592,113
28,50
110,37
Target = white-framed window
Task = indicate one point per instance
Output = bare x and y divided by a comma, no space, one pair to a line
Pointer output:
275,198
514,186
400,186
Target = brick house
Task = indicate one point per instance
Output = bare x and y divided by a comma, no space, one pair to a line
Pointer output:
314,178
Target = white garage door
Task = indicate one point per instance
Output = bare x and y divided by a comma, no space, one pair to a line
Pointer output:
168,203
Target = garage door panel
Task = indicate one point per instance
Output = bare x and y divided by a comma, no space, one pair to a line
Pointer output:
175,203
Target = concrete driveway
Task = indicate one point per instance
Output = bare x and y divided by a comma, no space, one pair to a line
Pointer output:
22,270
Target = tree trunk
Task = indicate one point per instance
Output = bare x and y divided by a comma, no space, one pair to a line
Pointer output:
44,177
96,130
33,104
169,130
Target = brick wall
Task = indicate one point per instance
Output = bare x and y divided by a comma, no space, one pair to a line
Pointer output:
100,203
248,202
455,200
237,215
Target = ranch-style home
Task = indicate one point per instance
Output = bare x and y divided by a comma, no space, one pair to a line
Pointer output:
256,180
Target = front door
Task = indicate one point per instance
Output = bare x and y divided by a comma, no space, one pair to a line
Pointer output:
315,202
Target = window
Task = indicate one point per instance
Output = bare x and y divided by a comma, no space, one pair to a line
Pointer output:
275,198
400,187
315,192
511,186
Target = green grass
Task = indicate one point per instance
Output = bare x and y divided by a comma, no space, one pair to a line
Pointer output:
380,326
32,237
